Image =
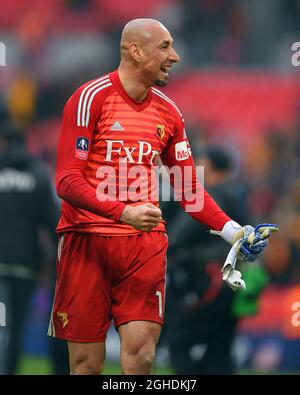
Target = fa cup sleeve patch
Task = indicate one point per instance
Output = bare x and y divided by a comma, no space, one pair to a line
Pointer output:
82,148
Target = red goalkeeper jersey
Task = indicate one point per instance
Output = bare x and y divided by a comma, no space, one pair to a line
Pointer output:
108,148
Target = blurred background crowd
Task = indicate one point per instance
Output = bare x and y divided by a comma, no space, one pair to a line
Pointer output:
240,96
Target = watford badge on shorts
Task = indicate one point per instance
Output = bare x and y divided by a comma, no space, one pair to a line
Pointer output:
63,318
82,148
160,129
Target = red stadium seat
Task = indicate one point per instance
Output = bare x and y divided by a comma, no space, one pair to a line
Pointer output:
120,11
243,103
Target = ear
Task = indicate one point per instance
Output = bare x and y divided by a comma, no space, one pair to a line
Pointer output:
135,51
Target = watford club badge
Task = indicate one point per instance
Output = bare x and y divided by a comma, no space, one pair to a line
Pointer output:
63,317
160,129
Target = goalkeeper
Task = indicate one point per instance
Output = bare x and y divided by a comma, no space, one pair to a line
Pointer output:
111,259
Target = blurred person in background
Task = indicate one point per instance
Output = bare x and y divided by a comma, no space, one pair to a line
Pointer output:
28,205
201,324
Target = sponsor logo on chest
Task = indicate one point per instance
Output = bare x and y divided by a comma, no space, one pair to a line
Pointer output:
143,152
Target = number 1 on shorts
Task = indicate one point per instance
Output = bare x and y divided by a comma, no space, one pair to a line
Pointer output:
158,293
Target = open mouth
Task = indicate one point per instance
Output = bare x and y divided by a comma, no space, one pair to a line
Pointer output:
165,71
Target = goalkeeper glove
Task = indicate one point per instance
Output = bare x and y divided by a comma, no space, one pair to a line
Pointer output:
231,276
250,242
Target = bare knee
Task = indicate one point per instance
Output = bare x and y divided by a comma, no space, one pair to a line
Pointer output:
138,344
86,358
86,366
145,359
138,359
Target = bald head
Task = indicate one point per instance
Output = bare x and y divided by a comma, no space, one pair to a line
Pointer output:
147,54
140,32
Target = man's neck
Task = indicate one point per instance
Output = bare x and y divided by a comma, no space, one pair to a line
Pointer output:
132,84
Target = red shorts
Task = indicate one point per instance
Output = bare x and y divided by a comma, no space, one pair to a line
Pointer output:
102,277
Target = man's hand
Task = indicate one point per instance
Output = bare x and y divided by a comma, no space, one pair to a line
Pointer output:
143,217
247,243
253,241
250,242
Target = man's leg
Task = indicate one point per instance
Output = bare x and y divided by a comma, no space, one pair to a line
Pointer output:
138,343
138,293
86,358
81,309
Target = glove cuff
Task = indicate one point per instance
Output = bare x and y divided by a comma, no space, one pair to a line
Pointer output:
230,232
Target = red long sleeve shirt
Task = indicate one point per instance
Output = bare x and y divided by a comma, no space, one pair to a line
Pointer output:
107,151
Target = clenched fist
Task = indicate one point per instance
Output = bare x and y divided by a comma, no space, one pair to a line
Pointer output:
144,217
